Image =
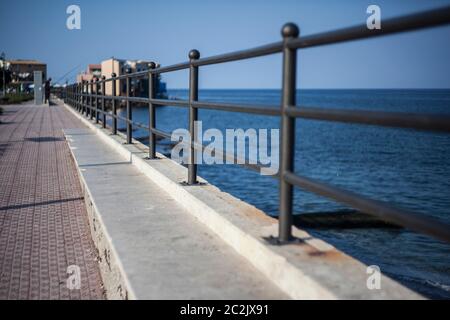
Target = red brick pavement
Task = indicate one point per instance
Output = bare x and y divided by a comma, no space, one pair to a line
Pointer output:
43,220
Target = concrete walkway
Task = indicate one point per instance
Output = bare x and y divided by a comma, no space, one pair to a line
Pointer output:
164,251
43,220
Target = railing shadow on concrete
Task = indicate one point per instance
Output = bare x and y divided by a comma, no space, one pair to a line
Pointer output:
36,204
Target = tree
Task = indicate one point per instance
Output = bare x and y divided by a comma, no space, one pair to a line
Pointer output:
7,74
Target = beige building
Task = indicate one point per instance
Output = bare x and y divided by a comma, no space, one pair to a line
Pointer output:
109,67
93,70
22,71
119,67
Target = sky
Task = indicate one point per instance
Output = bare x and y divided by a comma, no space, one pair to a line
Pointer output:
165,30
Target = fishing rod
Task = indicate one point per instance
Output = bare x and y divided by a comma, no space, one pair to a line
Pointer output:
69,72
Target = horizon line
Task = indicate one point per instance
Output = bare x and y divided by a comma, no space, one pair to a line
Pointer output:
314,88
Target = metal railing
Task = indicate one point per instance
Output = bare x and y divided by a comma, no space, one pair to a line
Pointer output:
86,99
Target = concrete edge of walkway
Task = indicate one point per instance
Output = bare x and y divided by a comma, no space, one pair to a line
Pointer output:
310,269
115,280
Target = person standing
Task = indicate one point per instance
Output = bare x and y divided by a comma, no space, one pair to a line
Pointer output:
47,90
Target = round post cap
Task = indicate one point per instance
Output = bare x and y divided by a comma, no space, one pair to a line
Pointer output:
290,30
194,54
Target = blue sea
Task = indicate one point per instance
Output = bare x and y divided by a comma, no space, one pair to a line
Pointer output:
404,167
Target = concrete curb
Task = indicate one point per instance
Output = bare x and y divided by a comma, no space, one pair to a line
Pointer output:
115,280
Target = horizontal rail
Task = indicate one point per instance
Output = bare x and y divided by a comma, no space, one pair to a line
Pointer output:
262,110
227,157
411,22
413,221
265,50
134,123
175,67
161,133
417,121
137,99
131,75
269,110
159,102
171,68
169,102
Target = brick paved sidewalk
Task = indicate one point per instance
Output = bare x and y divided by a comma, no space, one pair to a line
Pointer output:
43,220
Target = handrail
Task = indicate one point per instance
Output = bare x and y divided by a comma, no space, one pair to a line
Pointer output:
427,19
419,121
86,100
405,218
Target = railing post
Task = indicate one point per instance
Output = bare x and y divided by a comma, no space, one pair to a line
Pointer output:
83,98
75,92
75,96
151,112
79,96
80,91
96,99
193,115
103,102
84,109
83,85
80,102
129,111
287,150
91,100
87,98
113,102
77,89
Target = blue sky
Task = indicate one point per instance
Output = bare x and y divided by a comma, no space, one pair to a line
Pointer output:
165,31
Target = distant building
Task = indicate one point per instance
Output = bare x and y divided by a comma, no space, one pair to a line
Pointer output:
109,67
22,72
120,67
93,70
